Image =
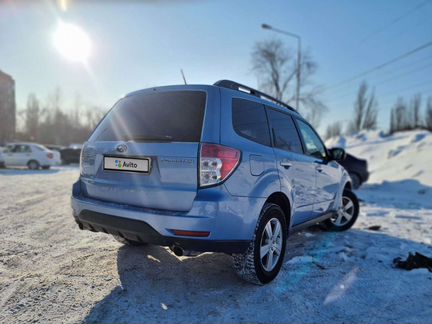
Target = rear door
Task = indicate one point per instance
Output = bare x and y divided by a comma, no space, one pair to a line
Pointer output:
9,155
296,170
327,172
159,132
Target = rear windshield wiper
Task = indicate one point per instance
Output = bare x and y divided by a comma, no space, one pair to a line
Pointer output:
146,138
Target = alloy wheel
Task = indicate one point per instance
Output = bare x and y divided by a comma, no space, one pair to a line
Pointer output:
345,213
271,244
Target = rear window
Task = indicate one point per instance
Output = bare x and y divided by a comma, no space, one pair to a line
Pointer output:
166,116
250,121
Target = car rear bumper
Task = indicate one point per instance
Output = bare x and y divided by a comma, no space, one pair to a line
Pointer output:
230,220
140,231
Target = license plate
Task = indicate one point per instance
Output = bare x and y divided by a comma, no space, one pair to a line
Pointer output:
127,164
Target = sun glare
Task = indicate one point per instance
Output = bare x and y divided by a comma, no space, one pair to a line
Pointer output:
72,42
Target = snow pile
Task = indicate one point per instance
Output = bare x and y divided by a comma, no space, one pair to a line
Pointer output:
401,156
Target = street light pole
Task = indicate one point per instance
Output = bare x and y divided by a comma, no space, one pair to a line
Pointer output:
266,26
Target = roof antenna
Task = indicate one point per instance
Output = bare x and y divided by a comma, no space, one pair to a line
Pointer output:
184,79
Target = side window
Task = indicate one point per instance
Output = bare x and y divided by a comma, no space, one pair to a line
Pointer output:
20,148
284,132
313,143
250,121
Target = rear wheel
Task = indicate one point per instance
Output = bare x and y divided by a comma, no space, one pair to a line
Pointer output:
346,216
262,261
33,165
126,241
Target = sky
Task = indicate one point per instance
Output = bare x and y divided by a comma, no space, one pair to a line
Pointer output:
140,44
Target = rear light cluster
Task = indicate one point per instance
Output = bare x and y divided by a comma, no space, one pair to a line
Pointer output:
217,162
87,160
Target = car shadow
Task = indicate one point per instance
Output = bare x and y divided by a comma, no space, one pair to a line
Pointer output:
406,194
22,171
157,286
10,171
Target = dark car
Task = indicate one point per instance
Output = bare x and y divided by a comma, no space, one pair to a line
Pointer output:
357,169
70,155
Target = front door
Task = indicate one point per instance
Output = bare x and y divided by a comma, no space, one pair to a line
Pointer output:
327,172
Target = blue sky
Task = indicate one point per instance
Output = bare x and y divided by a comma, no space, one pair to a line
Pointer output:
141,44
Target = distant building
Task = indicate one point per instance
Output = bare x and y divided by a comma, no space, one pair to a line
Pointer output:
7,108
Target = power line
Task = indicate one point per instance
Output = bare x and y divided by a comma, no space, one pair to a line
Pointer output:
394,75
381,66
391,78
396,20
387,102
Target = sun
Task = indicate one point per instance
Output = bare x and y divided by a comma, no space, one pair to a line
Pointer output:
72,42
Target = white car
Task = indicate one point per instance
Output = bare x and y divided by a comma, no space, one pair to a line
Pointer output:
32,155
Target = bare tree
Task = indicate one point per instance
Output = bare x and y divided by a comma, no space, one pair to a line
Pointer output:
32,117
276,68
400,118
365,110
428,114
333,130
415,111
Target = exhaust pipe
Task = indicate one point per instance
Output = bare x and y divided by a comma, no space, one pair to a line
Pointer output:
178,251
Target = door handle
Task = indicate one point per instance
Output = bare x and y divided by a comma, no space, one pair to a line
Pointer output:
286,164
318,166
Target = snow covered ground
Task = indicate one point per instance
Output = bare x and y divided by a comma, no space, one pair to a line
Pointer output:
401,156
51,271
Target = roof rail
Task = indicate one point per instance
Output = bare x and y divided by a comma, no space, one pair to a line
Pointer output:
240,87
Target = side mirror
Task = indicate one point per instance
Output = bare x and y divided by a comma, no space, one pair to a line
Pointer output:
337,154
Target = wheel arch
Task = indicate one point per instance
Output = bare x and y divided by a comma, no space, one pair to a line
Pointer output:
33,160
280,199
348,185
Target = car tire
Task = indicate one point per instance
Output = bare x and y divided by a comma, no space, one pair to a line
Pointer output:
356,181
126,241
33,165
254,265
45,167
346,216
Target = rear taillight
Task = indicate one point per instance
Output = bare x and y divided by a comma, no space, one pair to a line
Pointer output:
217,162
50,155
87,160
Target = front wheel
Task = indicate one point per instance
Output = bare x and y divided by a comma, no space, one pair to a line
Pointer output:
346,216
263,260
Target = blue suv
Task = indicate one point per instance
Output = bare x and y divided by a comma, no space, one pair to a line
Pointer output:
211,168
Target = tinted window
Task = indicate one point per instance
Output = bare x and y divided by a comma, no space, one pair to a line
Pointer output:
313,143
285,134
165,116
21,148
250,121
